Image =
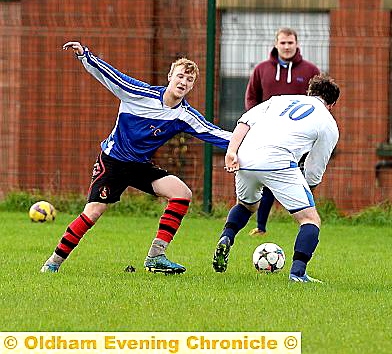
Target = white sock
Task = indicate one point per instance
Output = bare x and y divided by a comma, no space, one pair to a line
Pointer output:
158,247
55,258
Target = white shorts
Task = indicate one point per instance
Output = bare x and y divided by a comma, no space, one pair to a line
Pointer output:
287,185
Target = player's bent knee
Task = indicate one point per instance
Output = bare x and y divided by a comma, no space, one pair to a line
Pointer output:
181,190
187,194
94,210
251,207
308,216
171,187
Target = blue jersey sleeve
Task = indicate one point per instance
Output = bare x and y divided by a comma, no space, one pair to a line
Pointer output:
121,85
199,127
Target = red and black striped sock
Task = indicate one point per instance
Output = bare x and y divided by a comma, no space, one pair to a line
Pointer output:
171,219
72,236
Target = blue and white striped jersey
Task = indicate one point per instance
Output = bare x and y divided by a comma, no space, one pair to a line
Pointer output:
144,123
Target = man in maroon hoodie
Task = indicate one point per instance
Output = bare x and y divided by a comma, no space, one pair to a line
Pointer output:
284,73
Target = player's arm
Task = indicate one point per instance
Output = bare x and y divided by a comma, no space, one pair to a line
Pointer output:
231,158
121,85
247,120
317,160
199,127
196,125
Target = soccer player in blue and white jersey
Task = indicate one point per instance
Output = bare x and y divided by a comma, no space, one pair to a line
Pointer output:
264,150
148,117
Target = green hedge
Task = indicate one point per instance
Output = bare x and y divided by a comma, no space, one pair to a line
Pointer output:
146,205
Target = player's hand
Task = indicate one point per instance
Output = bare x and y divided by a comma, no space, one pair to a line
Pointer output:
231,162
75,46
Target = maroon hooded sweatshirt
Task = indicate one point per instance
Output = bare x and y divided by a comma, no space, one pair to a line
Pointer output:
270,78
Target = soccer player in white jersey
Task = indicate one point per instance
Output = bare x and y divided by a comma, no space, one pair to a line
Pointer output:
264,150
148,116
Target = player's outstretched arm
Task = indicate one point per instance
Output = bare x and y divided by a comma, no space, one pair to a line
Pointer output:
109,76
75,46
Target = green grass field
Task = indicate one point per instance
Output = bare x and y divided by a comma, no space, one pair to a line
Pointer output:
350,313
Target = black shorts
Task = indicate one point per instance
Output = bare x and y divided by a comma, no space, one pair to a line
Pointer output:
111,177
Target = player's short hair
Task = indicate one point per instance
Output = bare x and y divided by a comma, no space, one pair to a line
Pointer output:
287,31
189,65
324,86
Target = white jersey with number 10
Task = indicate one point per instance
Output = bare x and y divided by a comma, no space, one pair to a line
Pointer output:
283,129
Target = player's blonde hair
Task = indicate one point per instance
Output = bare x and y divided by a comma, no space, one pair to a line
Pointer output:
189,65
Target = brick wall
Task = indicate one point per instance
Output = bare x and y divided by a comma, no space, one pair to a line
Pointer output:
54,114
10,53
359,61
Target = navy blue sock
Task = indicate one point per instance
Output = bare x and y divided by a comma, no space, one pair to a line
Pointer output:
298,268
305,245
237,219
267,200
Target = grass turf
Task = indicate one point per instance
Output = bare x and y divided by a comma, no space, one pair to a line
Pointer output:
350,313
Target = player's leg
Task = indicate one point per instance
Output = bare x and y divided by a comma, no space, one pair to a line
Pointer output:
248,189
266,203
72,235
179,197
305,244
104,189
292,191
236,220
